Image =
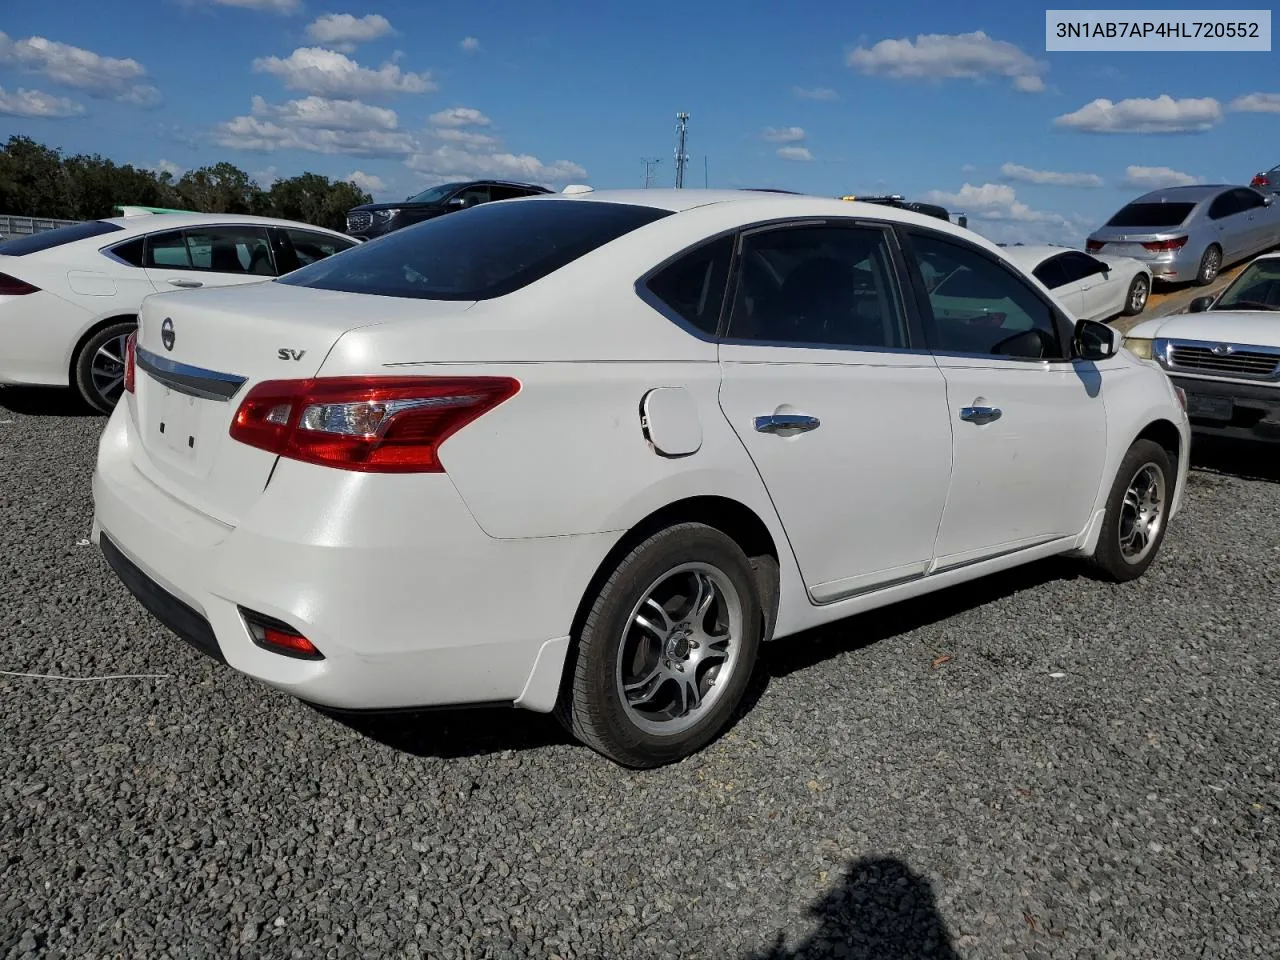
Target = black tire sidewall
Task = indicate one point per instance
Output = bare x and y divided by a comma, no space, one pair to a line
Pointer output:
598,716
84,363
1108,558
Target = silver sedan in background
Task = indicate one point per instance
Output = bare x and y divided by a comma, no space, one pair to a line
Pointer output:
1191,233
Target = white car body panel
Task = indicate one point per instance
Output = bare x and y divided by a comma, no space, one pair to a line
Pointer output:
81,289
464,586
1097,297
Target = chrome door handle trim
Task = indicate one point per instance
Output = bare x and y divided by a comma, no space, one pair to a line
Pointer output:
980,415
186,283
775,422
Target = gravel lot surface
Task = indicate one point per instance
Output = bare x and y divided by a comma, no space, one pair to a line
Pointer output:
1092,773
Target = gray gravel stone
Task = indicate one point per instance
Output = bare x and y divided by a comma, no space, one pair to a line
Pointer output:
868,805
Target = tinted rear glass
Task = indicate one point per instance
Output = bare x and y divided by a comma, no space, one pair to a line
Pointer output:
1152,215
487,251
49,239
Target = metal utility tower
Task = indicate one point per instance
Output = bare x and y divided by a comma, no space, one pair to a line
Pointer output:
682,130
649,164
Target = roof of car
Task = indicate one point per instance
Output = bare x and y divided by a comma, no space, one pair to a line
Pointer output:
146,222
1189,194
676,200
1030,255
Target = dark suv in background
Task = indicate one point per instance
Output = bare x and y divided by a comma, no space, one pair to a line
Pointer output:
371,220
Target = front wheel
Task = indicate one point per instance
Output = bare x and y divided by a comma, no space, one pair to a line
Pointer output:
99,367
1137,513
665,653
1210,264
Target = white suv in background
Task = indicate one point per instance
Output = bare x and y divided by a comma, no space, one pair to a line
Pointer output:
1225,353
69,297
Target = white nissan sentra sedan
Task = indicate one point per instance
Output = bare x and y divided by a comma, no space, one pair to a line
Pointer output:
584,453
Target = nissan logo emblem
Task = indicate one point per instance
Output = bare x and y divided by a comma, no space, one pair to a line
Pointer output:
1223,349
166,333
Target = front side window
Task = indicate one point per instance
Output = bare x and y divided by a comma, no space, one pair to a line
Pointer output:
1050,273
1077,266
490,251
982,307
1224,205
1249,199
821,286
694,285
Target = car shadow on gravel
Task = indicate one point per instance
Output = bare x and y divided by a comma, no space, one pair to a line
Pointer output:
44,402
1243,459
454,733
882,911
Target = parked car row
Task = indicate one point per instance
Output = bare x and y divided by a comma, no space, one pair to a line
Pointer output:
323,480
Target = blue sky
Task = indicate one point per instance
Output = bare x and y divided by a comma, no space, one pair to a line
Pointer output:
932,100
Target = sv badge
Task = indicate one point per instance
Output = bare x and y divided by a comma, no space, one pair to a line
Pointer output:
284,353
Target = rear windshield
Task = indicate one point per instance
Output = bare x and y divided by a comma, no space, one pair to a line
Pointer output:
487,251
48,239
1152,215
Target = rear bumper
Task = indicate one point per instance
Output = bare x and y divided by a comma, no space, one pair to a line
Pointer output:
410,602
1224,408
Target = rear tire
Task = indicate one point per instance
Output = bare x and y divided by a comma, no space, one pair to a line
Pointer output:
1135,300
1210,265
1137,514
99,367
666,651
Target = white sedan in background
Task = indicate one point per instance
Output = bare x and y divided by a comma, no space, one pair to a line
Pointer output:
1091,286
585,453
69,297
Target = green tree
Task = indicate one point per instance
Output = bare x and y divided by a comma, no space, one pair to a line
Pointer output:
221,188
312,198
34,181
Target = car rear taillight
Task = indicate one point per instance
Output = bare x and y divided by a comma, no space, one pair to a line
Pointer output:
1260,181
13,287
370,424
1093,246
130,360
1159,246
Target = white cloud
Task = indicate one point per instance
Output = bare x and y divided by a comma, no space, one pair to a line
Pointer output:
815,93
326,114
459,117
270,6
1014,171
794,153
450,161
1257,103
343,31
990,201
36,103
265,178
941,56
468,137
253,133
1163,114
329,73
104,77
968,168
169,167
367,181
469,45
1153,178
783,134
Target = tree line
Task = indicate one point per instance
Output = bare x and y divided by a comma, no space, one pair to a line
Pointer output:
40,181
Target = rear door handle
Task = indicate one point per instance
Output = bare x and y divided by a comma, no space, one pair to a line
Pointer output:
186,283
777,422
980,415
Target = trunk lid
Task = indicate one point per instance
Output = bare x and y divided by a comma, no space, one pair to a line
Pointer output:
199,354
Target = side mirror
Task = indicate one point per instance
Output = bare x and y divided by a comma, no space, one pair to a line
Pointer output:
962,221
1096,341
1200,304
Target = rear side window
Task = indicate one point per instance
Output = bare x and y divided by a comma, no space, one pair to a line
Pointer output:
129,252
477,254
1152,215
48,239
693,286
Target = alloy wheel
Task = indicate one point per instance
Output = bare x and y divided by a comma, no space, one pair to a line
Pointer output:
1138,296
107,369
1142,513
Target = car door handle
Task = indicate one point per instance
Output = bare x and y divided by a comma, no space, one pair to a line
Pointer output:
186,283
980,415
777,422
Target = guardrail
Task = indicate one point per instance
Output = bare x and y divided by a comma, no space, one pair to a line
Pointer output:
11,226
